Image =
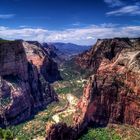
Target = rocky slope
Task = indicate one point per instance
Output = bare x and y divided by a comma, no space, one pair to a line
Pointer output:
112,93
24,74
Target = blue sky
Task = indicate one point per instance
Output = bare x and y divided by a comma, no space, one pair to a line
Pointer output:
76,21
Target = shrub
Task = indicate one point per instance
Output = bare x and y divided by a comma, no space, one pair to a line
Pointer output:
6,134
100,134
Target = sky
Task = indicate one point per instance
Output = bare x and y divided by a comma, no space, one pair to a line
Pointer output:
76,21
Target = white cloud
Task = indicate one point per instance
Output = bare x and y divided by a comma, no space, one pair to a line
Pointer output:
114,3
126,10
76,24
6,16
87,35
24,26
3,28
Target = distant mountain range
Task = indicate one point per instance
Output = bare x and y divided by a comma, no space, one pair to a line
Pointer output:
61,52
68,50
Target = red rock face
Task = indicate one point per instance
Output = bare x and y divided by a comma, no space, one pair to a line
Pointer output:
24,88
112,93
112,96
109,99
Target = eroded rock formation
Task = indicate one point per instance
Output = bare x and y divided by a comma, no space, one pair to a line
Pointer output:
24,86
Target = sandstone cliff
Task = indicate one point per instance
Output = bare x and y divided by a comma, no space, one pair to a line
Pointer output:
112,96
25,69
112,93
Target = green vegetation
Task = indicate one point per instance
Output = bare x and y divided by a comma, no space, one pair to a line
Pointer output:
6,134
31,129
68,119
64,90
72,87
127,132
100,134
36,127
73,71
112,132
73,77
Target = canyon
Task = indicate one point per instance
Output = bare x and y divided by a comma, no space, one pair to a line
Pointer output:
97,88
